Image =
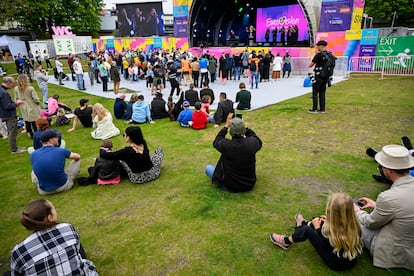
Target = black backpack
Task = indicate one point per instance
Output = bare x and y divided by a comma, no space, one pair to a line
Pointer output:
329,65
252,66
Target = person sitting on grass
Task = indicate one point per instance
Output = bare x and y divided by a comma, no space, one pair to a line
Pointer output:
43,125
336,236
141,112
120,106
388,229
103,124
199,117
236,169
83,114
135,159
381,178
52,248
104,170
186,116
48,164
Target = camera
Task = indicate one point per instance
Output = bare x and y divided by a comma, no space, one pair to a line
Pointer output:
359,203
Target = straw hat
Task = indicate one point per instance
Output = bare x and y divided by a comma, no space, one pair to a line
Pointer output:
395,157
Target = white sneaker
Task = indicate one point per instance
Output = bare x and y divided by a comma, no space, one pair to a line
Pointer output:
19,150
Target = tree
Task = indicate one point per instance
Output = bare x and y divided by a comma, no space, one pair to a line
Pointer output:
38,16
384,10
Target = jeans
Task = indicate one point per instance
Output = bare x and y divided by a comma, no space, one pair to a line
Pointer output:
79,78
237,72
255,78
210,170
45,92
204,78
12,129
318,92
104,83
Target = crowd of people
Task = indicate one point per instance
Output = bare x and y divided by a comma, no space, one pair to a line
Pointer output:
338,236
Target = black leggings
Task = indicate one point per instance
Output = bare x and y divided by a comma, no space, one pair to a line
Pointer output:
322,246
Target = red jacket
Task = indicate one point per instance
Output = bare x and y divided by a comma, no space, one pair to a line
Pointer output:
199,119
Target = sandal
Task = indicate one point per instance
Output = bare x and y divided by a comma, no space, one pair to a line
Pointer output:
279,240
299,219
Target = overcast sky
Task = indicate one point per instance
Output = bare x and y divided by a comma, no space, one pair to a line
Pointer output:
167,5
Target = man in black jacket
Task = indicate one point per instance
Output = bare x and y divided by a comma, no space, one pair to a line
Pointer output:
236,169
224,107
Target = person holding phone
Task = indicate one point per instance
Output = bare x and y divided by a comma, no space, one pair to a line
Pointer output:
236,169
388,229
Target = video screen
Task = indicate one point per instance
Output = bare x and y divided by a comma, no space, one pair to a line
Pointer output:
137,20
282,25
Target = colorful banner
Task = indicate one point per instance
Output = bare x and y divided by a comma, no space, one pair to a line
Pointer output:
369,36
180,26
357,19
338,45
336,15
353,34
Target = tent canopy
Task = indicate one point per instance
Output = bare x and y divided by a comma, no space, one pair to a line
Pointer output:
15,46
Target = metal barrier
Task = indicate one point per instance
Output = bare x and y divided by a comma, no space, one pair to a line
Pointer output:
400,65
300,66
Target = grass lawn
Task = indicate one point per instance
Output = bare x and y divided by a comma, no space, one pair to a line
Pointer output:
181,225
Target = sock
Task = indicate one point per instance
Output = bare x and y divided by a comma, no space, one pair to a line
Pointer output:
287,241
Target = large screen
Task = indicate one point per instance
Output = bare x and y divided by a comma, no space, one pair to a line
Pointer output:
135,20
284,25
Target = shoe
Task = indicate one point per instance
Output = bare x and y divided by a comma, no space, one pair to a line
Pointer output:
382,179
279,240
371,152
299,220
61,84
406,142
321,111
313,111
5,137
19,150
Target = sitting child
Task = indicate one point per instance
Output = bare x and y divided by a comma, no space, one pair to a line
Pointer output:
200,119
61,118
205,106
186,115
104,169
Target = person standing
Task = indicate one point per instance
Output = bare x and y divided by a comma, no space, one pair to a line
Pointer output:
243,97
8,113
115,77
319,86
30,110
59,69
47,59
70,64
277,67
78,69
236,169
42,78
287,67
203,70
254,69
212,68
48,164
104,75
388,229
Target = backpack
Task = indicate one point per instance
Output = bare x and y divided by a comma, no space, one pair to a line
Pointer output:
252,66
329,66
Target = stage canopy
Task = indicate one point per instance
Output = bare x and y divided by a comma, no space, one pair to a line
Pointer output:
227,22
15,46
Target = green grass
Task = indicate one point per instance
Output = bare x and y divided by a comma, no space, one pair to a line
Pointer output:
181,225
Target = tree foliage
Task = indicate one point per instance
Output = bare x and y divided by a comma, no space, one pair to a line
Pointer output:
384,10
38,16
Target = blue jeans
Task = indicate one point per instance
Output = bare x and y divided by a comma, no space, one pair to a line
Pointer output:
210,170
79,78
237,71
255,78
45,92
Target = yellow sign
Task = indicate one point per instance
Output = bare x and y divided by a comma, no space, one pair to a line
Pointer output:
357,19
353,34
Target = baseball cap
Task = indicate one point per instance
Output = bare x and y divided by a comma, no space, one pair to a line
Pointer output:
47,135
83,101
322,43
186,103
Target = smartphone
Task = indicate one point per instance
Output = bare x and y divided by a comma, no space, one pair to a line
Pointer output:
359,203
240,116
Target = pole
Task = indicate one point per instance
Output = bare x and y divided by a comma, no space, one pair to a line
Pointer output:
393,19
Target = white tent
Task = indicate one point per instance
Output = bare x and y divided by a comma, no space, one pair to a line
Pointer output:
15,46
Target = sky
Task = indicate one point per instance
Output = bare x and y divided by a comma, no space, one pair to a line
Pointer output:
167,5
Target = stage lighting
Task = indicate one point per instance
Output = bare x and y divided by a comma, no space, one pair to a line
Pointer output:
247,4
241,9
